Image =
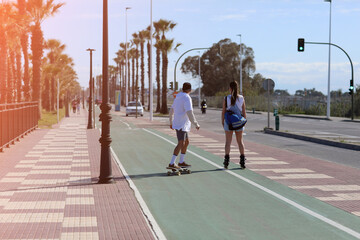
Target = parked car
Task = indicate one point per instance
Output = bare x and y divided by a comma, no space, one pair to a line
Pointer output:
131,108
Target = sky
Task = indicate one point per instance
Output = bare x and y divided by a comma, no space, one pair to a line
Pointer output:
270,27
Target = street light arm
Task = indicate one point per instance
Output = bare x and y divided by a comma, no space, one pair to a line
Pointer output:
352,72
352,68
193,49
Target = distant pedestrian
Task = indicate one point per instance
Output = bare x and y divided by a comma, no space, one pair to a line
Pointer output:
78,107
235,103
183,117
74,106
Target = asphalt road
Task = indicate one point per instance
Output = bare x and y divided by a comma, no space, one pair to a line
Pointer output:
256,123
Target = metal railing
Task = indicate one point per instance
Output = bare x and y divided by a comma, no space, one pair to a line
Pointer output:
16,121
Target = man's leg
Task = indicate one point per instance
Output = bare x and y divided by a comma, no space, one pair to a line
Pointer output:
183,150
179,146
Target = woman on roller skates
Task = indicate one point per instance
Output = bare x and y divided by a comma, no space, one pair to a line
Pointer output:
236,103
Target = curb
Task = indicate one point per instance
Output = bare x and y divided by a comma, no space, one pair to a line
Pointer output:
308,117
315,140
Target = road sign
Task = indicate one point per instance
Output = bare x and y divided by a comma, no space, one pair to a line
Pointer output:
268,83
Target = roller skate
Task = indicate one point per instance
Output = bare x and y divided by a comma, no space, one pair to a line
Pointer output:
242,161
226,161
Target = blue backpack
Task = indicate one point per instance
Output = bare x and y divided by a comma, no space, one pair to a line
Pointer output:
234,121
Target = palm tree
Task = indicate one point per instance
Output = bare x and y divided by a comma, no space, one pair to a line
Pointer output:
120,61
142,37
5,8
14,65
25,28
157,38
147,38
55,51
136,42
165,46
132,55
38,11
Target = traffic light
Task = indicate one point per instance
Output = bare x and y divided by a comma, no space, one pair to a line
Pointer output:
176,86
301,44
171,85
351,88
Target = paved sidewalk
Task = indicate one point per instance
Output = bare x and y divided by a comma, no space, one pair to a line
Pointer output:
49,190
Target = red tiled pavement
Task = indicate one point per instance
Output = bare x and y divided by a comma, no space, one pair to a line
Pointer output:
49,190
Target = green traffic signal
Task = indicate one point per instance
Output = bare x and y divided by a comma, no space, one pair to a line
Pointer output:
301,44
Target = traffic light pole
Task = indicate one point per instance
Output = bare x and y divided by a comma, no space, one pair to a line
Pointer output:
352,72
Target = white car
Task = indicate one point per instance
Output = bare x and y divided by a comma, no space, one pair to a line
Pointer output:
131,109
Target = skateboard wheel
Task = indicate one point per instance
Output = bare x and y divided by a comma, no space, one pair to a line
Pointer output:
178,173
189,171
168,173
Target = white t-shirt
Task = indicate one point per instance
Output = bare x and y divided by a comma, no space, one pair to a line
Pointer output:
239,101
181,105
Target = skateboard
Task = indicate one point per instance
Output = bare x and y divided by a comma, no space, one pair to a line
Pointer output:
178,171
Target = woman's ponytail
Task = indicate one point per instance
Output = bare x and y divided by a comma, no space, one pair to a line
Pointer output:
234,90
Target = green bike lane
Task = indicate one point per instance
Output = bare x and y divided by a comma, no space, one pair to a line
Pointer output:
212,203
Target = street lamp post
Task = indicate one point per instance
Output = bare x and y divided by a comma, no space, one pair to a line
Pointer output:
90,123
328,94
241,90
105,116
126,59
151,84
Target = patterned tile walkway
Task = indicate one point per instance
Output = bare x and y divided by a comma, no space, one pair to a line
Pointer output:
49,190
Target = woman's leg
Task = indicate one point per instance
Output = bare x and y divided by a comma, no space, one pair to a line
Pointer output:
228,139
240,142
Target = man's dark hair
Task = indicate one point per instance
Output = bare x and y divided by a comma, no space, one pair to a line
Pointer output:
186,86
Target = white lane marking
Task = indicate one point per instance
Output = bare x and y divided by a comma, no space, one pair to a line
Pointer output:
280,197
125,124
149,218
157,232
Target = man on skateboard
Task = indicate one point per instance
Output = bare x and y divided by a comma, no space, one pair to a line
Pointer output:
183,117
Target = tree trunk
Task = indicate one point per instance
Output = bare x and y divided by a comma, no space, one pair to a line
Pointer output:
164,108
24,46
137,74
53,94
158,79
37,51
46,96
133,79
18,77
142,66
3,67
10,78
128,83
148,51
